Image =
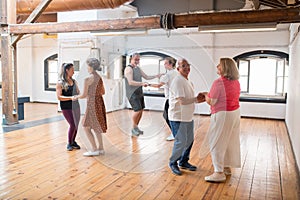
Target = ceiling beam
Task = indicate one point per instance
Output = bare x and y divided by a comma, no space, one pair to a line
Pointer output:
288,15
65,27
33,17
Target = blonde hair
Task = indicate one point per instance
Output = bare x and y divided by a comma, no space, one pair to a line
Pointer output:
229,69
171,61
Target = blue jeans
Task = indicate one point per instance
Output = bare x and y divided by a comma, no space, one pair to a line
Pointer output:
184,138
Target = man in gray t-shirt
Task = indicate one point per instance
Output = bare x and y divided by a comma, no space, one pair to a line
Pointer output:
134,91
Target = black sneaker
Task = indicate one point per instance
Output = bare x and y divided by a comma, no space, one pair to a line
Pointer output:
69,147
140,131
75,145
135,132
187,166
175,169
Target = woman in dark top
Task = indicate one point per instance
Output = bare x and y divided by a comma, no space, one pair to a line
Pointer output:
66,88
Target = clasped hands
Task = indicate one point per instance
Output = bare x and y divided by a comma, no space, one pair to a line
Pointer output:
75,97
201,97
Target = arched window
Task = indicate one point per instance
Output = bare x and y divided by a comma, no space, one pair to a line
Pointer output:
263,74
153,63
50,72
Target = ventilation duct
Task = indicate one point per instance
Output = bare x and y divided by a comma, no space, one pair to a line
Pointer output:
27,6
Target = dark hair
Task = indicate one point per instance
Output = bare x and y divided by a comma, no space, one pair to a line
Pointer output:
93,63
63,74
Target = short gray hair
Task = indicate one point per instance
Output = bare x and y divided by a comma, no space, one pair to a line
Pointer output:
93,63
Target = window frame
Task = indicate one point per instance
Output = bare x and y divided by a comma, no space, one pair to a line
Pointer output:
264,54
160,57
46,74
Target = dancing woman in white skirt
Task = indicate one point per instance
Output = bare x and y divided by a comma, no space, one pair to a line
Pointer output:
223,137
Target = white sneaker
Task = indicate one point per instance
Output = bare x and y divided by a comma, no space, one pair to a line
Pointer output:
170,138
92,153
216,178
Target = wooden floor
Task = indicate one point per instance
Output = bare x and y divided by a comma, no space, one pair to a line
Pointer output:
34,163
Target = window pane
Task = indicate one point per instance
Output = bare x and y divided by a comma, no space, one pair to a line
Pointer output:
162,68
280,67
52,66
285,85
150,65
244,83
286,68
243,67
262,76
279,85
52,78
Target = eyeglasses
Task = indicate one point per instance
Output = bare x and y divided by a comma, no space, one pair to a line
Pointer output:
184,65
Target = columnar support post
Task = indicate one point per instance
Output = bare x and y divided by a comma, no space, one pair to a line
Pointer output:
9,65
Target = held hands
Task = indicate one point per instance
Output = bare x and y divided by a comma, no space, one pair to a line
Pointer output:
75,98
201,97
145,84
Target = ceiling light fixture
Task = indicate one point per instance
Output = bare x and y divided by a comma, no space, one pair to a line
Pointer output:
238,27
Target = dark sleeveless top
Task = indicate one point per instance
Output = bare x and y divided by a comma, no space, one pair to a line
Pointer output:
69,105
136,90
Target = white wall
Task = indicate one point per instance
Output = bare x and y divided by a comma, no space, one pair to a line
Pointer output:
293,98
31,53
78,46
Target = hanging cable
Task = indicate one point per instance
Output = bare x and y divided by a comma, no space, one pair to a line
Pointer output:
167,22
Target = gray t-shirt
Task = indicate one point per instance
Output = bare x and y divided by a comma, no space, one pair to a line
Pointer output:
136,90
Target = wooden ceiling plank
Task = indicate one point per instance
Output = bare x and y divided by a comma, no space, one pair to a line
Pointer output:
273,3
51,17
33,16
38,11
283,2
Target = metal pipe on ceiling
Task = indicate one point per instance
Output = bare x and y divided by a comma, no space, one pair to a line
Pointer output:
27,6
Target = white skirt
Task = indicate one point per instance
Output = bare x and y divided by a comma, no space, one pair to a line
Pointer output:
223,139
